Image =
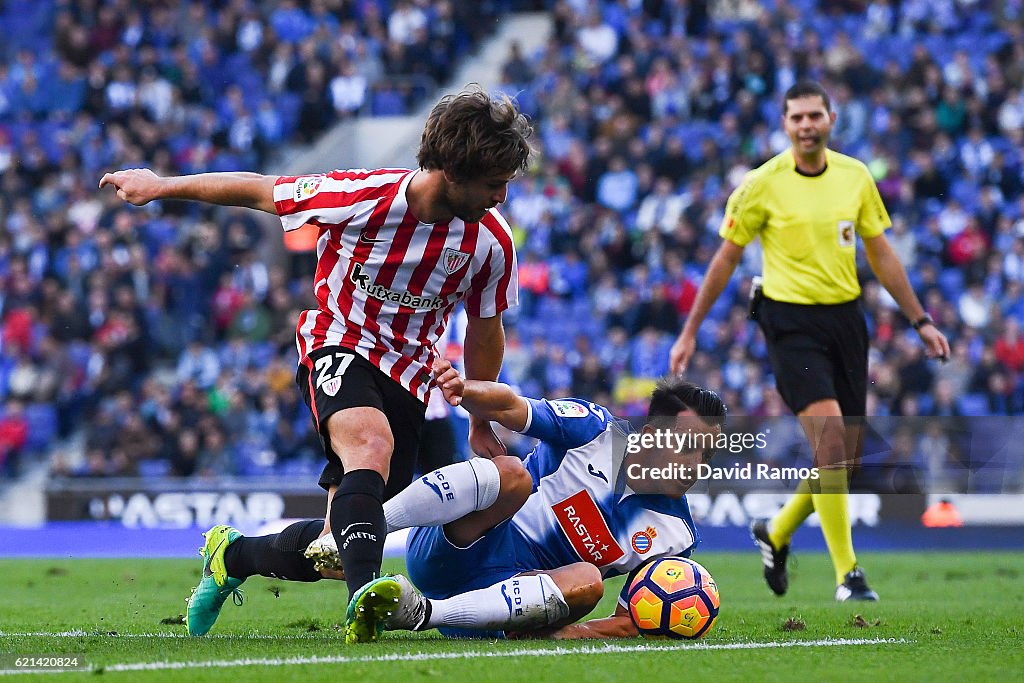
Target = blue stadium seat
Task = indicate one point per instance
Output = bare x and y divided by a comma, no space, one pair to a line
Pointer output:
973,404
552,308
387,103
992,42
951,282
300,468
288,106
248,468
154,469
965,192
262,354
42,425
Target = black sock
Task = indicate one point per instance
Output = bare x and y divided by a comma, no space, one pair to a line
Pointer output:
277,555
357,522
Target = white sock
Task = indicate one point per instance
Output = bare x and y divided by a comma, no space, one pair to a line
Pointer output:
445,495
518,604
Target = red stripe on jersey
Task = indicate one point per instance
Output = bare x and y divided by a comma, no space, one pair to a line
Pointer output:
331,254
426,355
386,277
434,322
300,340
312,390
378,218
397,339
330,200
505,241
324,267
420,277
439,319
477,287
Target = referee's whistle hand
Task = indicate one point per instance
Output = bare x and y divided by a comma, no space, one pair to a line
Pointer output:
680,354
935,343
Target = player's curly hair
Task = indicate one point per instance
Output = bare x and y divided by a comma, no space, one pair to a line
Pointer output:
672,394
471,134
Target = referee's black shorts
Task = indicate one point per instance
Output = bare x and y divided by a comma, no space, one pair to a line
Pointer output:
333,378
817,352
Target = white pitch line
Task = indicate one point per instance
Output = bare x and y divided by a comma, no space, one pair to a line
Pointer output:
182,636
607,648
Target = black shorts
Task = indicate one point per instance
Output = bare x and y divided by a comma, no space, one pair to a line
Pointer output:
437,446
818,352
334,378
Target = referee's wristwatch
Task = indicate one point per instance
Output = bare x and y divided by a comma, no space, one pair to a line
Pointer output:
922,321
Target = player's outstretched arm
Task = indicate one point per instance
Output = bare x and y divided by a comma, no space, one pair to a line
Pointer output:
488,401
140,186
890,272
483,351
619,625
722,266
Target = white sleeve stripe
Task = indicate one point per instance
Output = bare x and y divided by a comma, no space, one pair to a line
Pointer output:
335,215
529,417
284,191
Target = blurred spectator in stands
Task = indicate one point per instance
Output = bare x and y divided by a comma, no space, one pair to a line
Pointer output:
659,313
348,90
597,40
516,70
660,210
975,307
13,436
656,91
198,364
649,354
1009,347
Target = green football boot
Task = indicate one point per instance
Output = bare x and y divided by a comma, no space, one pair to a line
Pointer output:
215,585
369,609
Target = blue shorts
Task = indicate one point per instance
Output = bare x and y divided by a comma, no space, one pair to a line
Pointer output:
440,569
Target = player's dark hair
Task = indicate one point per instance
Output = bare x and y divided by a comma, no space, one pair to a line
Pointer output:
672,395
806,88
471,134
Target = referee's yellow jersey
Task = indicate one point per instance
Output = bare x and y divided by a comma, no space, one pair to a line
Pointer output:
808,226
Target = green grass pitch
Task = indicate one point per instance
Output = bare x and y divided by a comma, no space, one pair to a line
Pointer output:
941,616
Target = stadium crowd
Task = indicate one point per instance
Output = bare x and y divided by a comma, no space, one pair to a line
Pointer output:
162,337
160,332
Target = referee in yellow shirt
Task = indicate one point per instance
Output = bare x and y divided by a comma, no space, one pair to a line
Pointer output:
808,205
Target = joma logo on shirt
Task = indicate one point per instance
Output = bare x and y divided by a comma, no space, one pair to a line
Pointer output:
362,280
584,525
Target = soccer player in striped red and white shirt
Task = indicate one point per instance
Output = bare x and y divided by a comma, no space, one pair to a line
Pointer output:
397,250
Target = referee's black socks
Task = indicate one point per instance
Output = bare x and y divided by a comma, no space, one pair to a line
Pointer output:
357,522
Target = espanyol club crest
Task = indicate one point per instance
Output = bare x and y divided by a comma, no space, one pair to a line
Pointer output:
643,540
307,187
331,386
452,260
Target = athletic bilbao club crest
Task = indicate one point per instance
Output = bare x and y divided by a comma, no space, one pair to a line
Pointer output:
331,386
307,187
453,260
